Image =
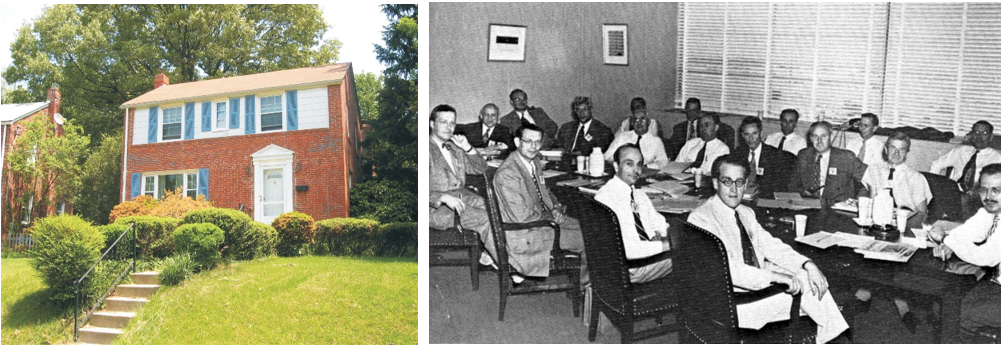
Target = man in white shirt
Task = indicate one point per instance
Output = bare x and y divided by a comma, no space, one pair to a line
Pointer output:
787,139
967,160
910,189
758,260
869,149
641,226
638,103
703,150
651,145
977,242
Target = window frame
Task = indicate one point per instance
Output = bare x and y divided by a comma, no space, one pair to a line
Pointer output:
146,176
216,115
163,124
282,112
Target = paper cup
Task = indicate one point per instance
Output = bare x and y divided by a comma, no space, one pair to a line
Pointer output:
902,216
697,178
864,208
581,163
800,225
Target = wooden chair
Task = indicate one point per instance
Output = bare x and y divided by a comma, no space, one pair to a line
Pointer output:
708,303
613,294
563,273
456,238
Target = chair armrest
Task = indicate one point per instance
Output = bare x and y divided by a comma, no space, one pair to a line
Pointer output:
538,224
753,296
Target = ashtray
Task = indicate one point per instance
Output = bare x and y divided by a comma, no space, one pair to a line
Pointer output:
886,233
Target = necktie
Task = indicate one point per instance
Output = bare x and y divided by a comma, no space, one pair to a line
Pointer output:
967,180
748,247
526,119
890,183
816,176
782,143
537,185
638,142
690,130
698,160
861,151
753,168
638,220
447,146
485,137
579,135
994,271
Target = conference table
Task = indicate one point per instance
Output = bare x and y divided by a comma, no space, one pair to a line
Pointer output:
922,276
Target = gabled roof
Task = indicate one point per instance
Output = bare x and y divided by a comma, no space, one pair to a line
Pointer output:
333,74
10,113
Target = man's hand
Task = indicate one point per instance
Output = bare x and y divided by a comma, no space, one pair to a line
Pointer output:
818,283
795,287
558,215
462,142
453,202
942,252
936,234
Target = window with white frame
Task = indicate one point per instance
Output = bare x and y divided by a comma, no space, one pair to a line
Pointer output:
914,64
157,185
149,186
272,113
171,128
221,115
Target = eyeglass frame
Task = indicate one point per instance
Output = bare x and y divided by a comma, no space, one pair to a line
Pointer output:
985,191
729,182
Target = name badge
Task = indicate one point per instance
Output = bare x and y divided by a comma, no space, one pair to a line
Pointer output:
833,171
588,137
760,171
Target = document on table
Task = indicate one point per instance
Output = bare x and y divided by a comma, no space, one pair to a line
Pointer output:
551,173
579,182
799,204
675,167
680,204
672,188
888,251
821,240
854,241
787,196
494,162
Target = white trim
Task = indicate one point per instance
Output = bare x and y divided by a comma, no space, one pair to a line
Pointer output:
272,157
282,112
161,124
215,112
305,86
125,152
156,174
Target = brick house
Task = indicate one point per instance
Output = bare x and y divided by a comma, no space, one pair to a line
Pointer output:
13,120
265,143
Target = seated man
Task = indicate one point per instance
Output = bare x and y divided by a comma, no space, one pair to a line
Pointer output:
581,135
523,198
702,151
487,132
757,259
641,226
869,149
638,103
771,168
651,146
832,174
522,114
787,139
977,242
688,130
967,160
450,158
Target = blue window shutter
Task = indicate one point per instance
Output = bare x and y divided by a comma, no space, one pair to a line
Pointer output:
207,117
135,187
152,126
190,120
204,182
249,114
291,110
235,113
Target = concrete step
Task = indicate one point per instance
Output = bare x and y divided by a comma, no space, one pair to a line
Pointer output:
111,319
145,278
118,303
138,291
99,335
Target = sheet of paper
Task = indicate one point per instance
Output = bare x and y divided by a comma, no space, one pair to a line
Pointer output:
787,196
946,225
674,167
673,188
677,205
821,240
806,203
551,153
494,163
551,173
575,182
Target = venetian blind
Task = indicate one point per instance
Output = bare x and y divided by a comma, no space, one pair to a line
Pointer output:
944,65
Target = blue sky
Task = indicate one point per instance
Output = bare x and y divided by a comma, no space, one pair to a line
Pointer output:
356,24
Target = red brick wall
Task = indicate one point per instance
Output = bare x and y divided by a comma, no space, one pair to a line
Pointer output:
319,162
21,127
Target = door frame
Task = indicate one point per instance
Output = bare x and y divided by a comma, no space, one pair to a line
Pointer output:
272,157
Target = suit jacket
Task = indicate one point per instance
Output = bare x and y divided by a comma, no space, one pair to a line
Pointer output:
844,174
442,180
473,132
777,167
726,134
513,122
600,136
529,250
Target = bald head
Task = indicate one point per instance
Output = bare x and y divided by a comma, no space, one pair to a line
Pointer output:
489,115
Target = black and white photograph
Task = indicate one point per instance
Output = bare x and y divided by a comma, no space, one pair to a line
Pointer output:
713,173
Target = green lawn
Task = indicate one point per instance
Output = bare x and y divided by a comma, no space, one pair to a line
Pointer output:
28,315
303,300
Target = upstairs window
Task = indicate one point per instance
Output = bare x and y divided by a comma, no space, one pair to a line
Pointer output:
221,115
172,124
272,113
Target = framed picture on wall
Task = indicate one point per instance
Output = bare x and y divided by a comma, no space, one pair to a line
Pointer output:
507,43
616,44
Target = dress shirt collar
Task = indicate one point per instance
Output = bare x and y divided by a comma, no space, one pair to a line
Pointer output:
486,128
439,144
586,126
720,208
619,185
757,151
530,164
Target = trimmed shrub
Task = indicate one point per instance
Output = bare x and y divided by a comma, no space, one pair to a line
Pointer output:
175,204
111,232
347,236
295,229
177,269
398,239
237,244
265,239
65,247
154,235
202,241
138,206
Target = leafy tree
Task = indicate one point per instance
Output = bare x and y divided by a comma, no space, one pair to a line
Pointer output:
103,175
44,171
368,86
383,200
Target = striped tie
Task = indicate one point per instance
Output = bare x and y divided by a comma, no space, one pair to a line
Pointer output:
638,220
996,270
537,185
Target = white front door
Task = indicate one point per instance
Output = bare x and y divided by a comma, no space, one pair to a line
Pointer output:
273,198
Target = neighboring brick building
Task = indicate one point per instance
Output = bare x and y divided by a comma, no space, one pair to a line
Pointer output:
271,143
13,120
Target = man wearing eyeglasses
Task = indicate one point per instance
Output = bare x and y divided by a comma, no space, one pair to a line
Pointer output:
584,133
702,151
832,174
977,242
757,259
523,114
967,160
523,198
642,136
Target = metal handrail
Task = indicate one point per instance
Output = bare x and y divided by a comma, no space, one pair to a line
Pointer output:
77,322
